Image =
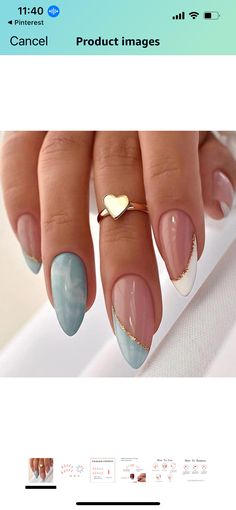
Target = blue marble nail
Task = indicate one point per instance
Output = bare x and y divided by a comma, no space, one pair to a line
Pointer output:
36,474
32,263
134,353
69,290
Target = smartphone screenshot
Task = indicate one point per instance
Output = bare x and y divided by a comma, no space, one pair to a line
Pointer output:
117,254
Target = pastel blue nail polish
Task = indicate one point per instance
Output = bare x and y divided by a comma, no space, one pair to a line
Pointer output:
134,353
32,263
36,474
69,290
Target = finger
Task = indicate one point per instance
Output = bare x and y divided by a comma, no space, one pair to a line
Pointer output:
218,174
51,462
173,191
42,473
128,265
36,467
47,465
67,250
20,189
142,477
31,463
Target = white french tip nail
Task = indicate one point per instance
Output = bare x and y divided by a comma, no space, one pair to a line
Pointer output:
185,283
225,209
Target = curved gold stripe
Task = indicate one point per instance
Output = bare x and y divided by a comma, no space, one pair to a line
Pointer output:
194,242
32,258
131,337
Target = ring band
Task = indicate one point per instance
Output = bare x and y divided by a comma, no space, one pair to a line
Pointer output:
117,206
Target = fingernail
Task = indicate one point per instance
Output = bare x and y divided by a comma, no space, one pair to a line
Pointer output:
223,192
47,469
36,474
179,249
28,233
69,290
133,318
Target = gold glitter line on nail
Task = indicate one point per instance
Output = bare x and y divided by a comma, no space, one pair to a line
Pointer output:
31,257
131,337
194,242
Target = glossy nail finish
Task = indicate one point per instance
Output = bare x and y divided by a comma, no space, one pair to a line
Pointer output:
179,249
28,233
133,318
223,192
69,290
36,474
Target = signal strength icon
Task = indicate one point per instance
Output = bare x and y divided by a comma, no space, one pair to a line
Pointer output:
194,14
181,15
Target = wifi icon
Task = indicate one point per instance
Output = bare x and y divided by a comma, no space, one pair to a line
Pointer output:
194,14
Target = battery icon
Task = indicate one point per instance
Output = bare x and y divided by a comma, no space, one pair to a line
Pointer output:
212,15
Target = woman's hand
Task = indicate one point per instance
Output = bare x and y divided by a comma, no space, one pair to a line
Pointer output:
142,477
41,467
46,188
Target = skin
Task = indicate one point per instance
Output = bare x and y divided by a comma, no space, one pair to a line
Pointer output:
41,466
142,477
152,167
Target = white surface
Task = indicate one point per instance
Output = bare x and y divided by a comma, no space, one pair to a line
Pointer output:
202,330
118,92
224,364
117,418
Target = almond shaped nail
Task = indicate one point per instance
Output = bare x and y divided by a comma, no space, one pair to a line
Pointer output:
179,249
28,233
223,192
133,318
69,290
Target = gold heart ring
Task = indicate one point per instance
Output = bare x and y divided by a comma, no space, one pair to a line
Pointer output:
117,206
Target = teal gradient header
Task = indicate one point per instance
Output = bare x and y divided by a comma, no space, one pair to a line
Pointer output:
118,27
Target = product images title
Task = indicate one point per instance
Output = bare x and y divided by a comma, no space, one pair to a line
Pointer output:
116,41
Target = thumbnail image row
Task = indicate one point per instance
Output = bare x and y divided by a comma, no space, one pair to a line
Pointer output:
111,470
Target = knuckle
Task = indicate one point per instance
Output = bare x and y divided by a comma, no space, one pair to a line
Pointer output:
56,220
166,180
117,152
57,143
165,168
120,235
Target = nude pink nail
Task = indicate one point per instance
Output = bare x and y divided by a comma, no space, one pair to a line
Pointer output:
28,233
179,249
133,318
223,192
